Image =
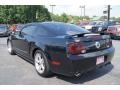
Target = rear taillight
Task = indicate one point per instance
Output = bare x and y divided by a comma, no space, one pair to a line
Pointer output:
76,48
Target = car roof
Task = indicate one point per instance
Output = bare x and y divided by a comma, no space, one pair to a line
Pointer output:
52,23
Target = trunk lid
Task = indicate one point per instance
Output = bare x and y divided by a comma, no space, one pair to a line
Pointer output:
91,42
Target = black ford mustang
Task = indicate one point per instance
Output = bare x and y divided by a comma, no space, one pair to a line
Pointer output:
61,48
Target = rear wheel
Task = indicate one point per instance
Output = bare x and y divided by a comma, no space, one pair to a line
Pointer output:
10,48
41,64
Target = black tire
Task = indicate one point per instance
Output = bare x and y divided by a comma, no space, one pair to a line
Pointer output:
9,45
46,71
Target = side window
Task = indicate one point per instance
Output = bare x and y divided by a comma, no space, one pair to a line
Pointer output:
41,31
28,30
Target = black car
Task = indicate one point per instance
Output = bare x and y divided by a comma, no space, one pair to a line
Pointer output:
4,31
102,28
55,47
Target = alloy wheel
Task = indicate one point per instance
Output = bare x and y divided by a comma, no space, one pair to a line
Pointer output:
39,63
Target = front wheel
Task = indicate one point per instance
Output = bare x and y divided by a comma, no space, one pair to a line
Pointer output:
41,64
10,48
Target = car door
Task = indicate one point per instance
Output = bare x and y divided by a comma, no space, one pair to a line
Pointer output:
24,40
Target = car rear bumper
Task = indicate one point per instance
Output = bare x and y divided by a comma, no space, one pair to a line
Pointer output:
86,62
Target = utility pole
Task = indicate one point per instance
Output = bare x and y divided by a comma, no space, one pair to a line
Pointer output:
84,10
108,16
52,6
81,11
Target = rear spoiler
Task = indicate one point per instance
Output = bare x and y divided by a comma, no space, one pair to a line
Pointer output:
87,35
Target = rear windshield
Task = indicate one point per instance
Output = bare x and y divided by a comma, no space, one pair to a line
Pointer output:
64,29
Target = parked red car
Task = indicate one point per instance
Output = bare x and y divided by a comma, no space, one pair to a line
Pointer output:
114,31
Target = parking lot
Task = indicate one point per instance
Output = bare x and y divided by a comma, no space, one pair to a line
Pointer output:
15,70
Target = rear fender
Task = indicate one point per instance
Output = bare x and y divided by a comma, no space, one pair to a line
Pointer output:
37,46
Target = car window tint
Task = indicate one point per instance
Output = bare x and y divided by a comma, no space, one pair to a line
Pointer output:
29,30
64,29
42,31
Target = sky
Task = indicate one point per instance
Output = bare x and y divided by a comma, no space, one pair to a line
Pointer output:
90,10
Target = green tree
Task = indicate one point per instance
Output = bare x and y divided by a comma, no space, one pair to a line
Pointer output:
23,14
42,14
64,18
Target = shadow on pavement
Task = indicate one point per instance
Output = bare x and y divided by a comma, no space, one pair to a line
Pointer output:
91,75
87,76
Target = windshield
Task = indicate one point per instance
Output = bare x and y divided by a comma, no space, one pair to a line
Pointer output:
64,29
92,23
99,23
2,28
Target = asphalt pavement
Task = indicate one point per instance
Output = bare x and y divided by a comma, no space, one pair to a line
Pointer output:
15,70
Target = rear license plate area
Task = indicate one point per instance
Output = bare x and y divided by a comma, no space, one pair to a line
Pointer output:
100,60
